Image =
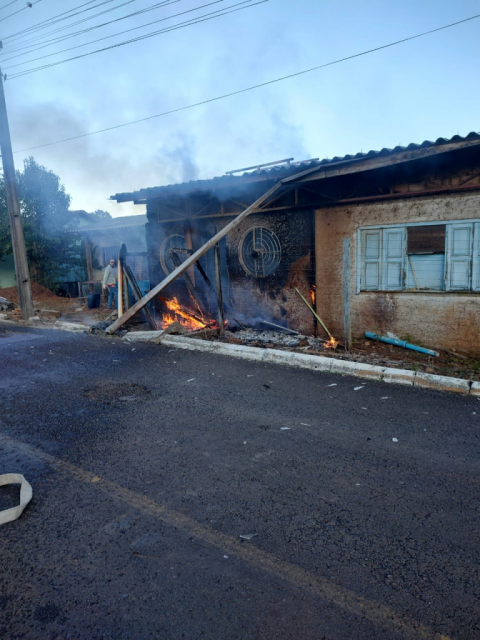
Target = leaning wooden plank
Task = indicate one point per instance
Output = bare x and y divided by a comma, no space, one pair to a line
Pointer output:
191,260
314,313
138,294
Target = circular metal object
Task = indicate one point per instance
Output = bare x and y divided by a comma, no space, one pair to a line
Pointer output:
260,252
175,241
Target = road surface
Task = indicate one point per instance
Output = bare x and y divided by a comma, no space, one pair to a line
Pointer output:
188,495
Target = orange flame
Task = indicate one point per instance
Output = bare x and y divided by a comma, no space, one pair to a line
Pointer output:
176,313
313,295
332,343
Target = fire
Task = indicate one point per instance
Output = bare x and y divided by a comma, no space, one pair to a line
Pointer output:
176,313
313,295
332,343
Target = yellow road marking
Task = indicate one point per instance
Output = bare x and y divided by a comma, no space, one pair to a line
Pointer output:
340,596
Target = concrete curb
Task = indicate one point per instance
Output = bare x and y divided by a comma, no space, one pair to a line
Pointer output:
328,365
75,327
290,358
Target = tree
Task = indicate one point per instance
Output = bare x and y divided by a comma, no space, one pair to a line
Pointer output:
52,248
102,215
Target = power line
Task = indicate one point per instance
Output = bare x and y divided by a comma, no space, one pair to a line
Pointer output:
29,6
48,43
56,18
8,4
31,44
119,33
211,16
253,87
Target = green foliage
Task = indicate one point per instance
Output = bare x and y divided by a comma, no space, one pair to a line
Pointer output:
52,250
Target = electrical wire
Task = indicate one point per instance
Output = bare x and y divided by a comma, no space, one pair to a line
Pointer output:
175,15
8,4
37,40
29,6
256,86
73,24
204,18
57,18
48,43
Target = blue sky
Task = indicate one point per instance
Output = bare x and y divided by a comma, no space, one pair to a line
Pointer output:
424,89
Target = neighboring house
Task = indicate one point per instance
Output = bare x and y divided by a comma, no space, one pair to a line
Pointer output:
105,237
412,215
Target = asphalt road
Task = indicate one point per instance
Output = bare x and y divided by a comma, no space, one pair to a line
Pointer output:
149,464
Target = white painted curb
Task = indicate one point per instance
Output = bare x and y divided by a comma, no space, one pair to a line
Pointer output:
328,365
71,326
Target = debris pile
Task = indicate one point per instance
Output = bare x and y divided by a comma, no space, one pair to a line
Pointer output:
6,305
264,338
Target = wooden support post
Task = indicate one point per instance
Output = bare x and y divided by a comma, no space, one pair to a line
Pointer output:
138,294
347,322
119,288
13,206
218,277
126,297
191,260
88,259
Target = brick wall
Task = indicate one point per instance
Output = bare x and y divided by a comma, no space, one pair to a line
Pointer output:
442,320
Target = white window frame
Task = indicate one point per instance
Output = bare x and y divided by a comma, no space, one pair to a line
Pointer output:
472,258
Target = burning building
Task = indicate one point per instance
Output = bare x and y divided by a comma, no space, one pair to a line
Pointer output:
384,241
263,260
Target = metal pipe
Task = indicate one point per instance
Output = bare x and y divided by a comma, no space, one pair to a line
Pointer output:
400,343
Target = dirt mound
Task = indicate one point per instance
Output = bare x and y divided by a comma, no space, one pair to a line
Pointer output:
38,292
43,298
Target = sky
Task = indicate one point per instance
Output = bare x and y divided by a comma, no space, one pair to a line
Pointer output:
419,90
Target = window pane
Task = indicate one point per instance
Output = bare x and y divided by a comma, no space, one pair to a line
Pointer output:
394,244
372,245
371,275
393,279
461,242
459,274
426,271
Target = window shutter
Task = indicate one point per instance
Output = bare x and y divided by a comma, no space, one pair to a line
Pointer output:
476,258
371,260
459,257
393,259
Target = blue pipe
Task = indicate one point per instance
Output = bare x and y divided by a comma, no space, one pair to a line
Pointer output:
400,343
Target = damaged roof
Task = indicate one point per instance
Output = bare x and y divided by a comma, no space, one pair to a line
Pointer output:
121,222
281,171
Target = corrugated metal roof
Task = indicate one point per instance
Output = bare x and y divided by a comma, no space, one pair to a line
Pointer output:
276,172
116,223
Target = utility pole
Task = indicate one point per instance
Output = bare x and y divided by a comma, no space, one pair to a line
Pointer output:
13,206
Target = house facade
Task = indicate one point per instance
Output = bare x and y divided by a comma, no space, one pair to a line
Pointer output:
411,216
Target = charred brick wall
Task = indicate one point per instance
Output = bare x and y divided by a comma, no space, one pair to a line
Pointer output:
249,297
273,297
444,320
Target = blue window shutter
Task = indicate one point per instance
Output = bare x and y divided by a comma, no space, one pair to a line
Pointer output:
459,256
371,260
425,271
476,258
393,258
